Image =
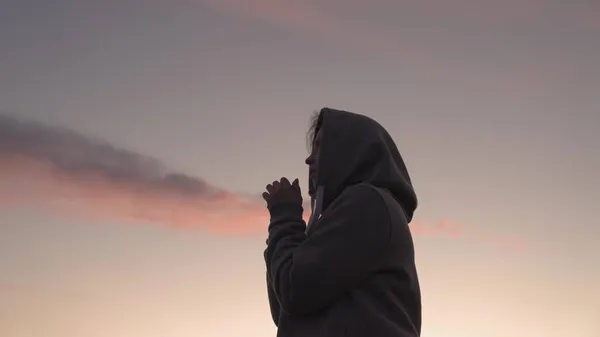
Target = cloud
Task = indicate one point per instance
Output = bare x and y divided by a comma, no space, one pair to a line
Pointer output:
63,172
448,228
409,32
344,19
302,16
363,23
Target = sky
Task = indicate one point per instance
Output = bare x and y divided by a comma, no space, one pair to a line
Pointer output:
136,137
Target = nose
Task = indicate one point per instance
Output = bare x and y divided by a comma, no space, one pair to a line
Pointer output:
309,160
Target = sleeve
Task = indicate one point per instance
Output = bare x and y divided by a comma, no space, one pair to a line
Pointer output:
309,273
273,303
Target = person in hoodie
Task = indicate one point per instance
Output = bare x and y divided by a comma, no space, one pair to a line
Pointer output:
349,272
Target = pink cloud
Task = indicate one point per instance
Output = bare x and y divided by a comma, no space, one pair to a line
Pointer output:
324,19
302,16
39,184
446,228
353,27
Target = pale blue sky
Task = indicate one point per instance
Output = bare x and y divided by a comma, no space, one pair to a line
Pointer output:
494,104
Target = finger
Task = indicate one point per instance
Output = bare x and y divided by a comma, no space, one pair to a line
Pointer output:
266,196
285,182
276,184
296,184
270,188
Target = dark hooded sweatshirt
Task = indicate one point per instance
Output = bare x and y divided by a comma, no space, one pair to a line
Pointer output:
352,272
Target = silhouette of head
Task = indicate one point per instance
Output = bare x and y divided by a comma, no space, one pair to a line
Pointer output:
348,149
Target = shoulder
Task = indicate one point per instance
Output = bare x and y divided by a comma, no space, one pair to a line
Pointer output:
356,208
362,191
360,198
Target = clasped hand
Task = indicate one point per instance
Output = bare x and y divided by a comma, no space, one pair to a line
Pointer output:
281,192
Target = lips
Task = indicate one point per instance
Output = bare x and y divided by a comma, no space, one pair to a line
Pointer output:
312,175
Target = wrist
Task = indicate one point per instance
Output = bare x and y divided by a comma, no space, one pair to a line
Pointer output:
288,209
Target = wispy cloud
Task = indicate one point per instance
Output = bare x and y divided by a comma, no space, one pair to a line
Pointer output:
351,24
302,16
390,29
66,172
449,228
71,175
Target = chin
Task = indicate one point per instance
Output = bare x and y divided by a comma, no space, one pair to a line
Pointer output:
312,189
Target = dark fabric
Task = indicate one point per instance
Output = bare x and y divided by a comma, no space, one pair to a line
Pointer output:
353,274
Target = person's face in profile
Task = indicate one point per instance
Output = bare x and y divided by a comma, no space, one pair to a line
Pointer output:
313,160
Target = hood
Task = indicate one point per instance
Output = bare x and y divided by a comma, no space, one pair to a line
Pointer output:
356,149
